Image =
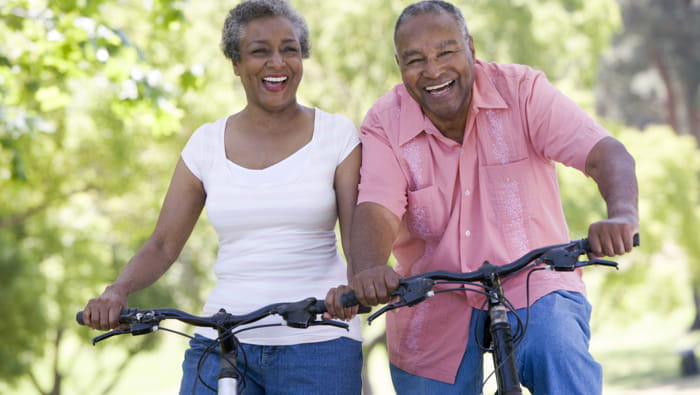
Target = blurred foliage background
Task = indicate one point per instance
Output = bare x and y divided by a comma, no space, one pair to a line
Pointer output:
97,98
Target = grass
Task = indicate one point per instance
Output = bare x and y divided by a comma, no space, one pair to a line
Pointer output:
646,354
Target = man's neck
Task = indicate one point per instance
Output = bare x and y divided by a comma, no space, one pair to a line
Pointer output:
452,129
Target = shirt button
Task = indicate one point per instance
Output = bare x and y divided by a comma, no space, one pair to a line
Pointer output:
467,192
467,233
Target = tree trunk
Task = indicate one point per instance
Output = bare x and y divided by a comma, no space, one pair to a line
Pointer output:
693,110
671,110
696,299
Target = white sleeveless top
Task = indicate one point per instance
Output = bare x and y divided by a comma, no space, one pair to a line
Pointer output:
276,227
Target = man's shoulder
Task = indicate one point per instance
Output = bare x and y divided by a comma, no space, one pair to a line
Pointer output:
510,71
390,100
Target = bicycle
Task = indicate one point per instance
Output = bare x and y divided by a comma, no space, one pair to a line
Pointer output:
488,280
301,314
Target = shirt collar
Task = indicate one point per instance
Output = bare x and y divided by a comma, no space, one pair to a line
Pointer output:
413,121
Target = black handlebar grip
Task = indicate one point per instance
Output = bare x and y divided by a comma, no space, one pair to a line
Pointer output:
348,299
320,307
585,244
79,318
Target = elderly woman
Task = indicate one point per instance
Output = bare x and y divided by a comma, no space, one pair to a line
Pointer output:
275,178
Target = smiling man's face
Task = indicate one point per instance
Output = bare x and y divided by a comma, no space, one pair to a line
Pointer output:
437,65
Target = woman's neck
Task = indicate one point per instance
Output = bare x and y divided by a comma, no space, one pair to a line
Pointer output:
271,121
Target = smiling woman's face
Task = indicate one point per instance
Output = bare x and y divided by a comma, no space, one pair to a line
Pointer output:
270,67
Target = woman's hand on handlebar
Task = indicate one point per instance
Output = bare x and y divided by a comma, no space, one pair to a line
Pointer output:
103,312
334,308
374,286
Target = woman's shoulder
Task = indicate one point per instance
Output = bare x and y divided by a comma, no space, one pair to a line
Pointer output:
333,120
204,139
210,129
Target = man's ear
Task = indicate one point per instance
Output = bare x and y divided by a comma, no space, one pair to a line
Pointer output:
396,58
470,44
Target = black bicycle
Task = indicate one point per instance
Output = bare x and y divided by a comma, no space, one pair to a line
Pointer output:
501,340
301,314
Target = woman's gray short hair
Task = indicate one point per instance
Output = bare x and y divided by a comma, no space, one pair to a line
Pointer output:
249,10
432,6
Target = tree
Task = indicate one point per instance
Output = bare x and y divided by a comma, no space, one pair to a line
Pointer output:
84,95
652,72
95,109
651,75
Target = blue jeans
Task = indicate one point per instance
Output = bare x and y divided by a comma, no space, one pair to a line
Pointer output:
329,367
552,359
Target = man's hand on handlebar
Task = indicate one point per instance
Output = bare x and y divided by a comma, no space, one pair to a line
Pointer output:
612,236
374,286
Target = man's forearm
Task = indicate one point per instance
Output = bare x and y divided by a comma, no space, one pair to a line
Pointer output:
613,170
374,229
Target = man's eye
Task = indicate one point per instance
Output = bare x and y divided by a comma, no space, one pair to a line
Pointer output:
445,53
414,60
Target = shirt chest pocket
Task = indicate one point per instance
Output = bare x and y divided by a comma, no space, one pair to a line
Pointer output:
501,140
427,213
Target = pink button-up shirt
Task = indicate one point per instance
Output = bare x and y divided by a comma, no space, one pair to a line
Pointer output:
494,197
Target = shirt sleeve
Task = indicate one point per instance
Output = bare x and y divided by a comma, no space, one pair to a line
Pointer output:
348,137
381,179
559,129
193,153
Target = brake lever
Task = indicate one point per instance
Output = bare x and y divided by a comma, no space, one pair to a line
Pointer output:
383,310
410,292
596,261
107,335
134,330
335,323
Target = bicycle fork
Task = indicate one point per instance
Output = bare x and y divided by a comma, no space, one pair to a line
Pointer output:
228,374
503,350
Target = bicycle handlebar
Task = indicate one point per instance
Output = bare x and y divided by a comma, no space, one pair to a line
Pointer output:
301,314
560,257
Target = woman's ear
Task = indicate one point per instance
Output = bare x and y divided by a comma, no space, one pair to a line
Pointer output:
235,69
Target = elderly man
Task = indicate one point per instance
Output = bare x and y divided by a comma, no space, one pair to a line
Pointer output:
459,167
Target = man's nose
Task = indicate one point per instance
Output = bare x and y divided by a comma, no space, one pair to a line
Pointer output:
432,68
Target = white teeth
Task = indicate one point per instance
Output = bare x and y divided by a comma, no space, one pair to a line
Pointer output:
275,79
435,87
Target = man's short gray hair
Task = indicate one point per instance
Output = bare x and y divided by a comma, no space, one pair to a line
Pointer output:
432,6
